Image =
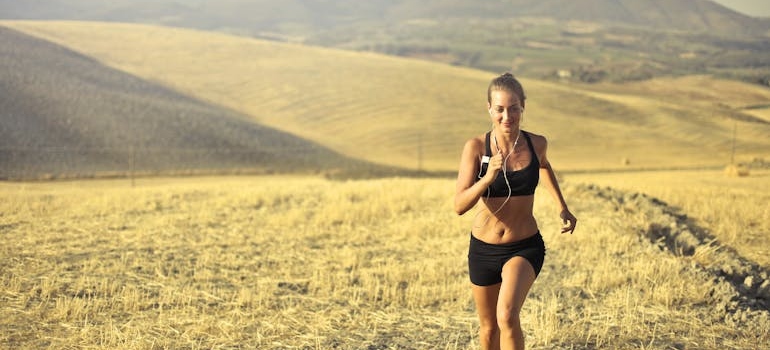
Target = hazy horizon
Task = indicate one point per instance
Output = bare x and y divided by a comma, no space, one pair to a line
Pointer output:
754,8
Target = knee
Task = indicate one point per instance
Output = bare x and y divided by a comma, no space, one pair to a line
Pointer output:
488,328
508,318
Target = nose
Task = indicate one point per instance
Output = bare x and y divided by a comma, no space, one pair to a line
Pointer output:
506,114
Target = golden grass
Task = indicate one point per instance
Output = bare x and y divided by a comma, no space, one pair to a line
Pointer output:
277,263
411,113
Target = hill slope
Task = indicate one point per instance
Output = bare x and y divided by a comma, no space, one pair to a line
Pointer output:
611,40
64,114
412,113
690,15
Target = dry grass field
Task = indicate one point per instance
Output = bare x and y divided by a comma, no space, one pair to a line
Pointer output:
673,259
308,263
734,210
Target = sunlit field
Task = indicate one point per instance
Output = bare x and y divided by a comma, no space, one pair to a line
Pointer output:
665,259
308,263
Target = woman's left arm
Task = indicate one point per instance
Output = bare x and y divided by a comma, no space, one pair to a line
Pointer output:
549,179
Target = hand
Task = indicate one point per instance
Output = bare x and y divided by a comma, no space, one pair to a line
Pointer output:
568,220
495,165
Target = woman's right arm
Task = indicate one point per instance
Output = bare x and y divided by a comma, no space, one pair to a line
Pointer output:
468,190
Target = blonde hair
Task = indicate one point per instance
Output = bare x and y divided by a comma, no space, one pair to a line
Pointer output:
506,82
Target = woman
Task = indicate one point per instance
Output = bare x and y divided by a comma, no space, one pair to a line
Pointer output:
501,170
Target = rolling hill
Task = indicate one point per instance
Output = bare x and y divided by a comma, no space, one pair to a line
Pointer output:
416,114
595,40
685,15
64,114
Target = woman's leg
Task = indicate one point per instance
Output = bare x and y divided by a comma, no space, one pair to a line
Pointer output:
518,277
486,306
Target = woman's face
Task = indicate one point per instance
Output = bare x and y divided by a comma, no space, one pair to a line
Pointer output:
505,109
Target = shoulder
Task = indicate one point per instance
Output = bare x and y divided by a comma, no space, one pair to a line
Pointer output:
473,150
475,144
539,141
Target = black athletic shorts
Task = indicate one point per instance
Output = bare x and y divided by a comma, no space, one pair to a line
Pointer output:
485,261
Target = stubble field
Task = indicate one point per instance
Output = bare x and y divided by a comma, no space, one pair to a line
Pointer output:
308,263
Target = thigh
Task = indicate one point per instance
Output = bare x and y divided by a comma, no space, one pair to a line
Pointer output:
485,298
518,277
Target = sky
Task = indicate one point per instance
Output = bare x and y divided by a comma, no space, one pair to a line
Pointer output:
754,8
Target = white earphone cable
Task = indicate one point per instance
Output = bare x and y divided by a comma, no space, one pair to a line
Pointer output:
505,176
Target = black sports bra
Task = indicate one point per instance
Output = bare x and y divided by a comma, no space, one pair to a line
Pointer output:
523,181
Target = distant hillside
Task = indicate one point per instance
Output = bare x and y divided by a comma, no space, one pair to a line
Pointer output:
64,114
260,15
416,114
587,40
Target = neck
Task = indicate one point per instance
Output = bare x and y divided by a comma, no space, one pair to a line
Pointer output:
507,141
506,136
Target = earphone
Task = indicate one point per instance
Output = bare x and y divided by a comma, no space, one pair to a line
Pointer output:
485,160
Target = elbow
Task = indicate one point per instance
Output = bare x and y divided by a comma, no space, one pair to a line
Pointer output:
460,209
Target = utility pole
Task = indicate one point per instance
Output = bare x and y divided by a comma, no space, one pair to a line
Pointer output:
419,152
131,165
735,131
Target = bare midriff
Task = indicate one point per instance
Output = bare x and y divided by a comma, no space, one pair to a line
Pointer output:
513,222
